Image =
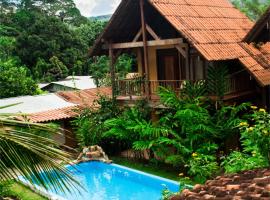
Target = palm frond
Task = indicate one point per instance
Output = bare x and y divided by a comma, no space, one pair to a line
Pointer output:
35,157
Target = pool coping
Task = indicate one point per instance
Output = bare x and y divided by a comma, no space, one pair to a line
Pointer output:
52,196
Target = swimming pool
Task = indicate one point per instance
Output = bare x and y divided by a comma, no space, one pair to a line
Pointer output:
114,182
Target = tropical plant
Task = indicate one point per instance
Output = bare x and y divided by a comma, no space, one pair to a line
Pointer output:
227,119
202,167
192,91
33,156
238,161
256,134
90,123
217,82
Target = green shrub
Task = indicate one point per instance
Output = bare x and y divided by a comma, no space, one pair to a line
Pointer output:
15,80
4,188
257,133
238,161
90,123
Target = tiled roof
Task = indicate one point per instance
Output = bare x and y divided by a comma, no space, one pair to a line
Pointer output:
53,115
257,61
214,27
85,97
253,184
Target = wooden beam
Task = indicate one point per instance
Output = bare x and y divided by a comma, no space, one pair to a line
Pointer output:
181,50
137,36
151,43
145,49
152,32
112,70
188,62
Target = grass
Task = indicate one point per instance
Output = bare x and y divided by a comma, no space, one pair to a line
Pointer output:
23,193
157,169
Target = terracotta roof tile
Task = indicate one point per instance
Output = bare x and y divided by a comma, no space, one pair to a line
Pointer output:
85,97
257,62
226,51
53,115
212,26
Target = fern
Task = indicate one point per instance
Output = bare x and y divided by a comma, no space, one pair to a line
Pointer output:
217,81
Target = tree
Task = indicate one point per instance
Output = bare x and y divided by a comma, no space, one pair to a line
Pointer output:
252,8
65,10
98,69
24,153
15,80
7,46
57,69
90,31
43,37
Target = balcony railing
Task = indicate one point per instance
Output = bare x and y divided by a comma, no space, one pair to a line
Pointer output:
137,87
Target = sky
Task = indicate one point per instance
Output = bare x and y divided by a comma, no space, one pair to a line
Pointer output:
96,7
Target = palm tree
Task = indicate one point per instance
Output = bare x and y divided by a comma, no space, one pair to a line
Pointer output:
25,151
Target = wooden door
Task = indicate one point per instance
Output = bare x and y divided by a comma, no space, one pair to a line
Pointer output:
168,64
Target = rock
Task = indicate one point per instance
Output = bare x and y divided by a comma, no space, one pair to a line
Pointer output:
254,196
262,181
197,188
192,197
267,173
244,185
265,194
240,193
186,192
233,187
177,197
236,178
208,197
267,187
201,193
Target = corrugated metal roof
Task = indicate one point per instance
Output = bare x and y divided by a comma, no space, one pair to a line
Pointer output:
34,104
53,107
75,82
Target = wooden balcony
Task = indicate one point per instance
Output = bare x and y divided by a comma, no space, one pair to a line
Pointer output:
134,89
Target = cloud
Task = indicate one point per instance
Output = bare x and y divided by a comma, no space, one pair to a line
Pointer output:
96,7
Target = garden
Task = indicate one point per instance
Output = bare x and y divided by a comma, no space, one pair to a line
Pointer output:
198,137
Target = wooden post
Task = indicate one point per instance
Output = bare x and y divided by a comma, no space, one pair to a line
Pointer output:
188,63
112,70
145,49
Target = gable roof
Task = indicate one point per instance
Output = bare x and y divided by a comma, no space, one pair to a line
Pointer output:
258,26
212,26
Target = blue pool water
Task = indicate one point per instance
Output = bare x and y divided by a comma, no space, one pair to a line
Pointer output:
114,182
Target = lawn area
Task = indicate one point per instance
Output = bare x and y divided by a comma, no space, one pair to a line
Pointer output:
23,193
151,168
